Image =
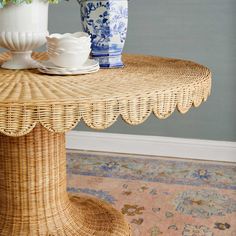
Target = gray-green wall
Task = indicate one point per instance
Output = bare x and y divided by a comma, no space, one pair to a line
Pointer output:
200,30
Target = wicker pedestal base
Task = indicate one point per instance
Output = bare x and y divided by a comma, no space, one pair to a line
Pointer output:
33,197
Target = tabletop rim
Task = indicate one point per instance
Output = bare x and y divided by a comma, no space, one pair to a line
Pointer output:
102,112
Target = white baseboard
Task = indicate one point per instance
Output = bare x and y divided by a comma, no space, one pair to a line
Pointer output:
153,145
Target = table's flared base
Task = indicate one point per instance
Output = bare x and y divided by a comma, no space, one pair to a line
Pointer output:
33,197
84,216
99,218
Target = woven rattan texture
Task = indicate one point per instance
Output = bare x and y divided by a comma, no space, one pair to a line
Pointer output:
147,84
33,199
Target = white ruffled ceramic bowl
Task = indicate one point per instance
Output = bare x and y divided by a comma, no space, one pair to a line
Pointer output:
69,50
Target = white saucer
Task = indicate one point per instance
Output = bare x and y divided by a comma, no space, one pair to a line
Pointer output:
48,67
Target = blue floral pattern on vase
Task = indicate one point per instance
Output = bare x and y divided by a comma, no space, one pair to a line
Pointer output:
106,21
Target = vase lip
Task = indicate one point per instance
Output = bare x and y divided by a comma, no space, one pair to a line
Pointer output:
12,4
80,1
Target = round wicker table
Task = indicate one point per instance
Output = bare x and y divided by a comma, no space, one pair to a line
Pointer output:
35,112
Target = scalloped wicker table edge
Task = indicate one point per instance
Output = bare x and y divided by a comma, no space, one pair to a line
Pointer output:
35,112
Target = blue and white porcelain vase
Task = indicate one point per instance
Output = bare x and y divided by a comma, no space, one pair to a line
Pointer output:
106,21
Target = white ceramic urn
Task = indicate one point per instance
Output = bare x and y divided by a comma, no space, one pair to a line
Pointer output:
23,27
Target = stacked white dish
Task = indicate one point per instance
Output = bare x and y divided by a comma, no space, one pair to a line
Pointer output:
90,66
69,55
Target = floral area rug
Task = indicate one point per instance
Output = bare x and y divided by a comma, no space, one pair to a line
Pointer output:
160,196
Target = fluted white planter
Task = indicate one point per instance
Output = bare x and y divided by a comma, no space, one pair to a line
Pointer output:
23,28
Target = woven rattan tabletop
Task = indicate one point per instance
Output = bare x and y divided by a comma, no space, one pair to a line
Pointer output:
147,84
